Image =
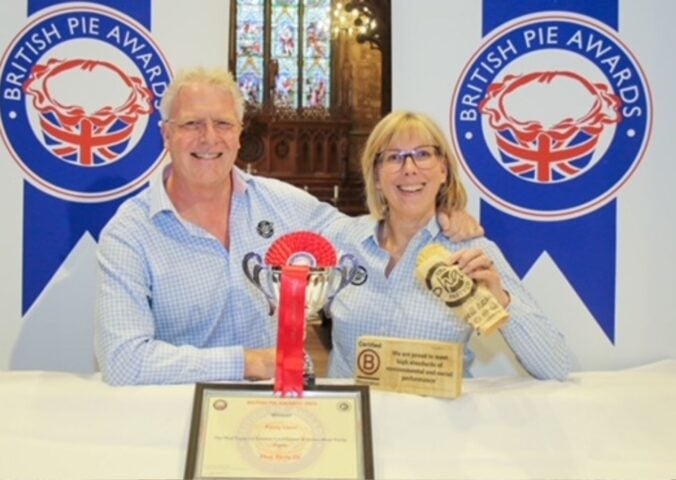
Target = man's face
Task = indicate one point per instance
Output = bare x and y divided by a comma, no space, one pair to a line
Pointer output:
202,136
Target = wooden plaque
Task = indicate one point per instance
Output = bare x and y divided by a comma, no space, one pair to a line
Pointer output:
423,367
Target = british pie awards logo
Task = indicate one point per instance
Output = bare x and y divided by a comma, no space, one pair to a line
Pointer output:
81,86
550,118
80,91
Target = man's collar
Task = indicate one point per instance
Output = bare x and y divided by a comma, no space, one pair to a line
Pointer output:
159,197
240,181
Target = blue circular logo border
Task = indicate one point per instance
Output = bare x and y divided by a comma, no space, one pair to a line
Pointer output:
51,174
561,200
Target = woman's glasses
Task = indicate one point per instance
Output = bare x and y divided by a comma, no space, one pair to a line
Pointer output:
393,160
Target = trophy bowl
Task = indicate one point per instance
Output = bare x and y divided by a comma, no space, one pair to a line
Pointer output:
323,283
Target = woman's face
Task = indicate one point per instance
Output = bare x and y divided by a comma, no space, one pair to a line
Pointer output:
409,173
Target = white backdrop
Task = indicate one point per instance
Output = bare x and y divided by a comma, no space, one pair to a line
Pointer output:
432,42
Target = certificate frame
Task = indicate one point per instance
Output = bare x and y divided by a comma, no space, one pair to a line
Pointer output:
246,431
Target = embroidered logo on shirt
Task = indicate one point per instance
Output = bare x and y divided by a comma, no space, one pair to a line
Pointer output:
360,276
265,229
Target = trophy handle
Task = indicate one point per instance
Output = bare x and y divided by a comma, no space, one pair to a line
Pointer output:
346,270
252,265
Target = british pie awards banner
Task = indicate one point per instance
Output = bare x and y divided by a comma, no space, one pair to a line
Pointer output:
551,117
81,84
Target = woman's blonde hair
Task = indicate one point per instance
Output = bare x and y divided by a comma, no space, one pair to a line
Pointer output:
218,77
452,194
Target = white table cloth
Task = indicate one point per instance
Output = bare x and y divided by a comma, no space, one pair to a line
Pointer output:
605,425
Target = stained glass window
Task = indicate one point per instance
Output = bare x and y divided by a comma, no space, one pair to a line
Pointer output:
250,29
316,54
291,40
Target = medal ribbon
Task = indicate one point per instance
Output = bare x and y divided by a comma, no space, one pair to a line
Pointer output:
291,331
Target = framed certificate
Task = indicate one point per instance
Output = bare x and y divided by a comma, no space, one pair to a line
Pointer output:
246,431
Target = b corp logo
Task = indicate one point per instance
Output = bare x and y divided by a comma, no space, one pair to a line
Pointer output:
551,117
368,361
80,93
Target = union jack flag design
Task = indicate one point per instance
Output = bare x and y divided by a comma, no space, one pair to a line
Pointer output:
533,150
80,137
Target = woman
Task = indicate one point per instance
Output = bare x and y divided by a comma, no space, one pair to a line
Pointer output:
409,173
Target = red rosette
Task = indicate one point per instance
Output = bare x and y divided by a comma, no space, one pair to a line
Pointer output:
302,249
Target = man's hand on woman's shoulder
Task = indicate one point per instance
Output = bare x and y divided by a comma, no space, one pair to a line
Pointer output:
460,225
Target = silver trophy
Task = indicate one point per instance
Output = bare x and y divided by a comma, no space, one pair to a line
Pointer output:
323,283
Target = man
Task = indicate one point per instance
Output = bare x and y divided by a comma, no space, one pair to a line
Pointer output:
173,304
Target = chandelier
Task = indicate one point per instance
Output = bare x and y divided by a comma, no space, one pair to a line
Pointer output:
352,20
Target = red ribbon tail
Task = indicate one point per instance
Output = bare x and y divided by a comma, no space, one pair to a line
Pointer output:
291,331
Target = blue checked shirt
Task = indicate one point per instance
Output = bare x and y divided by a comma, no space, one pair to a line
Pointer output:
401,306
173,305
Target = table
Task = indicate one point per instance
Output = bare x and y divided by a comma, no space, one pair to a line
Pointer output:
617,424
